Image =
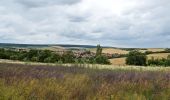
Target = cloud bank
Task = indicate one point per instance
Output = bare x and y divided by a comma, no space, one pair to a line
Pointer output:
118,23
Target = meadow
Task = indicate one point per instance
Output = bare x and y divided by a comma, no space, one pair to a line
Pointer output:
80,82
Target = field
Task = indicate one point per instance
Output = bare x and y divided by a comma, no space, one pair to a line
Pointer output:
158,55
121,51
118,61
121,61
111,51
42,82
153,50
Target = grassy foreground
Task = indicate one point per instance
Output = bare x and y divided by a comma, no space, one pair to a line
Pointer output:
46,82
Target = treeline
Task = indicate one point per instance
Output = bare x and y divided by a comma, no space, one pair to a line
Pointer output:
137,58
167,50
47,56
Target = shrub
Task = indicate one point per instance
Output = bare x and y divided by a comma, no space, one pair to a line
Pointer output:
160,62
68,57
136,58
44,55
102,60
148,52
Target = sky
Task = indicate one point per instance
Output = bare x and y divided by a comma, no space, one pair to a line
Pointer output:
117,23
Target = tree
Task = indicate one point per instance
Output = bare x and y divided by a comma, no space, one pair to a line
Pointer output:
136,58
43,55
32,54
68,57
102,60
99,58
99,50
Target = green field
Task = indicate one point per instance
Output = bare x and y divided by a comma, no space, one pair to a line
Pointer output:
33,81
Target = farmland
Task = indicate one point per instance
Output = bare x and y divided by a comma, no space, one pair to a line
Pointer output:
158,55
121,61
118,61
41,82
111,51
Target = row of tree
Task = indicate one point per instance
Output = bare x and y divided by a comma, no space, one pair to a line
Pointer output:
47,56
137,58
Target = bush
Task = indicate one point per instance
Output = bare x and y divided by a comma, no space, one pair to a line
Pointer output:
44,55
68,57
102,60
160,62
148,52
136,58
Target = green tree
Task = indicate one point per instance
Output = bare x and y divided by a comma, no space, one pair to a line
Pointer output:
44,55
32,54
136,58
99,50
68,57
102,60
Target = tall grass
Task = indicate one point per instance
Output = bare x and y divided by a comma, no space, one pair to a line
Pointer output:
42,82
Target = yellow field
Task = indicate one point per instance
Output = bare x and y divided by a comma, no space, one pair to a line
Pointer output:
111,51
119,51
156,49
118,61
122,61
158,55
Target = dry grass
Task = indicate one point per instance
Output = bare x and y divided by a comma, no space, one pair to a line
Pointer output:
119,51
41,82
118,61
156,49
158,55
121,61
111,51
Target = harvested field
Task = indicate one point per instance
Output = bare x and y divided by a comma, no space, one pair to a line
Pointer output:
158,55
112,51
118,61
156,49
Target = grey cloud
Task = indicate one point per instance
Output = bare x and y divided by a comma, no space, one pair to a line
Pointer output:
74,21
77,19
42,3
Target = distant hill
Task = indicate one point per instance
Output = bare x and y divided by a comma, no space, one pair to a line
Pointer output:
10,45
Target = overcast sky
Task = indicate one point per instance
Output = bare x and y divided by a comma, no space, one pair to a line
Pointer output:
117,23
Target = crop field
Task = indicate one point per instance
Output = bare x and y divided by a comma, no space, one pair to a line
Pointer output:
111,51
121,51
118,61
156,49
42,82
122,61
158,55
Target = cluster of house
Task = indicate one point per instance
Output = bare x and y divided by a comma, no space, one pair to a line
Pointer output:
83,54
78,53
